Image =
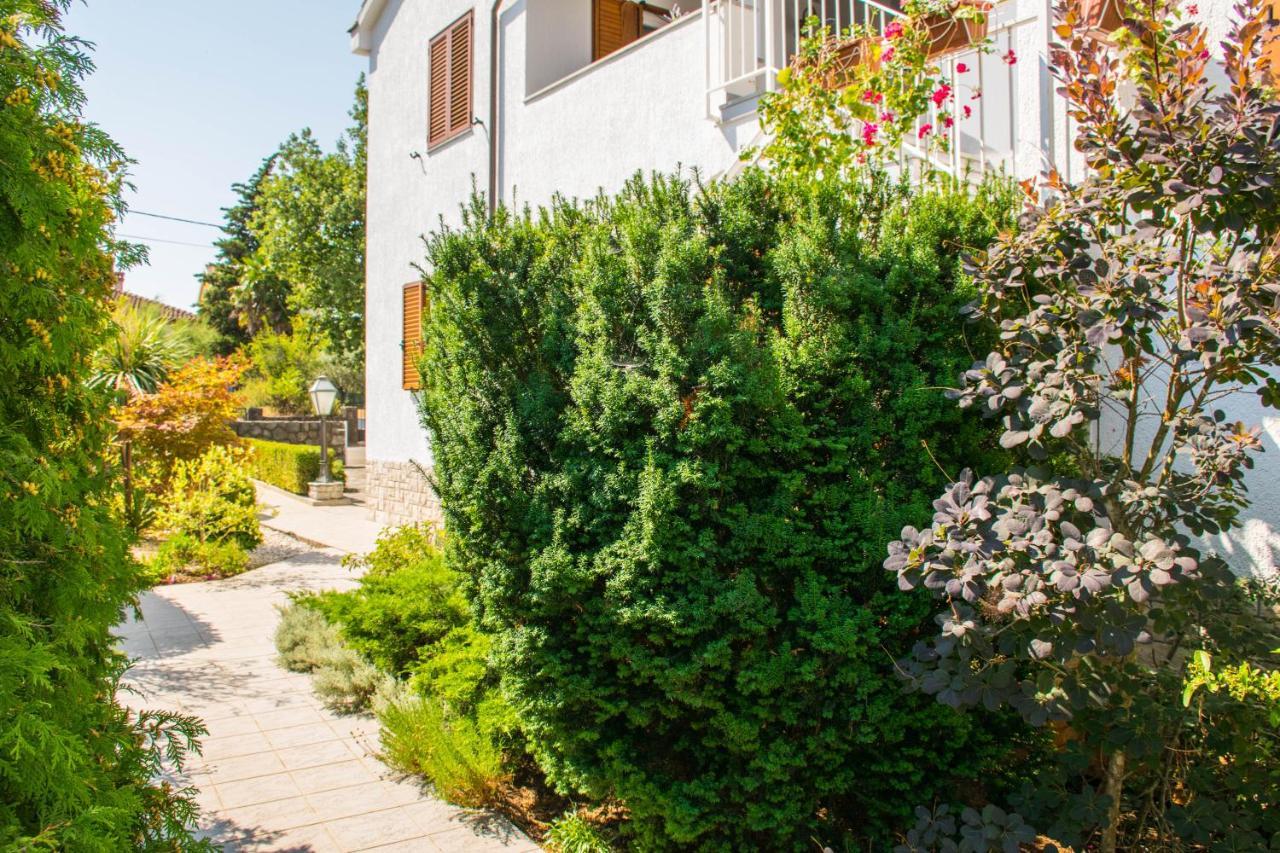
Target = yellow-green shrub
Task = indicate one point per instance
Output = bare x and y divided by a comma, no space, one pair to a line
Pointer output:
211,499
288,466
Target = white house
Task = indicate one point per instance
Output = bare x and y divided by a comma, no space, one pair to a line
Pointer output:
522,99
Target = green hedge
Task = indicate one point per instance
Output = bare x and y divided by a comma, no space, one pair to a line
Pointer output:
289,466
673,432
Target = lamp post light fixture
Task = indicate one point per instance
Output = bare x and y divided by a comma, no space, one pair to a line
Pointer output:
324,396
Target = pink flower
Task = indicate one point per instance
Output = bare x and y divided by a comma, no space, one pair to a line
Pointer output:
871,96
1193,9
947,121
961,68
886,118
1010,58
893,30
869,132
925,130
887,56
941,94
967,112
1204,54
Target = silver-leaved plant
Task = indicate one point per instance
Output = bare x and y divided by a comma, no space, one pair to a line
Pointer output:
1132,306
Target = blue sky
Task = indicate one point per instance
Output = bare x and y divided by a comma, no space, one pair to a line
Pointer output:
199,93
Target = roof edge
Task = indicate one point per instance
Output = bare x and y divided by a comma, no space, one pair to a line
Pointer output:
362,30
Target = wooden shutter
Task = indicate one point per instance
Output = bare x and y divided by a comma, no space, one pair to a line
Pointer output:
615,24
439,85
450,60
414,299
460,76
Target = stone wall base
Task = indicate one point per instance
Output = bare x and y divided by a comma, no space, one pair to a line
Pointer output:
398,493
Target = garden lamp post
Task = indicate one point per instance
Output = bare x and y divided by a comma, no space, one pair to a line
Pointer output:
324,394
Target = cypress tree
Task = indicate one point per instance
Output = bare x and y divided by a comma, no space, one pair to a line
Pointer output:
75,767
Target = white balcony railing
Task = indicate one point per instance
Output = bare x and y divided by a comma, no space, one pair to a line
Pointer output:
1011,109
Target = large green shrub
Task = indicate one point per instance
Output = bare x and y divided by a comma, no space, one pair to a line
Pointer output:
77,770
672,432
289,466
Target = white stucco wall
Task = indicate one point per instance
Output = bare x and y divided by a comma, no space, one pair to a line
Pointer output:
641,109
407,198
557,41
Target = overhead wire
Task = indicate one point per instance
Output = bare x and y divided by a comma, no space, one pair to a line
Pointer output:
142,239
176,219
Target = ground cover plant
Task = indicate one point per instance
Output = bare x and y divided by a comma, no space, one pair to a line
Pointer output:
77,770
1133,309
306,641
411,618
671,428
403,644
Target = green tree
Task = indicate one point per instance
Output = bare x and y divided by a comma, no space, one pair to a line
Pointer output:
76,768
309,224
238,297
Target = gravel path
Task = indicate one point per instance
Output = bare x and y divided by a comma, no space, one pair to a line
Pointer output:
275,547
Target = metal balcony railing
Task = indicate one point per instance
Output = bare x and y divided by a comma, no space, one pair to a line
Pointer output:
1012,108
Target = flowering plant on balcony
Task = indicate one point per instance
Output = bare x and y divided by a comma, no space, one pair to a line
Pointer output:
855,99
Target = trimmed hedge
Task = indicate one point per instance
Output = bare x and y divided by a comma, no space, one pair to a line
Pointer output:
289,466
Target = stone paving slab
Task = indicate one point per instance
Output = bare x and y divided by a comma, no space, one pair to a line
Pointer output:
279,771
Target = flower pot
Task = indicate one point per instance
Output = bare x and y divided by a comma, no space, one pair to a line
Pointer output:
852,54
1101,17
948,33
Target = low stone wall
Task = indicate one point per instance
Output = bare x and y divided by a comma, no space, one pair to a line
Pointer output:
301,429
398,493
292,431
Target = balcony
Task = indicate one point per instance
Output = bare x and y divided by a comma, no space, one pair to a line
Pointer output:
1016,122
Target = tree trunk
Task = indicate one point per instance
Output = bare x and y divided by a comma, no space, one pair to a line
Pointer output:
1114,788
126,465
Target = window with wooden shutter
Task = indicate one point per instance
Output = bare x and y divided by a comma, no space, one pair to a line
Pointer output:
450,81
415,297
615,24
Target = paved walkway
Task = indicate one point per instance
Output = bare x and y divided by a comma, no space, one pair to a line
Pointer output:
347,528
280,772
